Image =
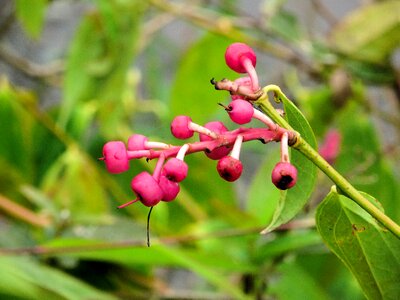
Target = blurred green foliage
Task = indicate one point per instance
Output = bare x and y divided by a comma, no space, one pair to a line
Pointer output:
61,236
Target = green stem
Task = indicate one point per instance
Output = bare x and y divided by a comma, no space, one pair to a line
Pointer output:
302,146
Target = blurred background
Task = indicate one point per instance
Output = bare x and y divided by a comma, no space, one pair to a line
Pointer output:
75,74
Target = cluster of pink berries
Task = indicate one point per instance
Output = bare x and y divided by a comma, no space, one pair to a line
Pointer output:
215,140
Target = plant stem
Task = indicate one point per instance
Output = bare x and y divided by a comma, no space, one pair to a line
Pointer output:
302,146
266,106
346,188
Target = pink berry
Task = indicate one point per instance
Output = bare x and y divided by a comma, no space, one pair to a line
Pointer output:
229,168
217,153
137,142
170,188
175,169
115,157
284,175
147,189
180,127
240,111
235,55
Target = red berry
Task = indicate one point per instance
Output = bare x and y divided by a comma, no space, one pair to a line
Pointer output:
170,188
240,111
147,189
284,175
180,127
229,168
175,169
236,53
137,142
115,157
217,153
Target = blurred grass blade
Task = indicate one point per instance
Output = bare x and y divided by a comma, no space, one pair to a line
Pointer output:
98,61
370,33
203,264
27,279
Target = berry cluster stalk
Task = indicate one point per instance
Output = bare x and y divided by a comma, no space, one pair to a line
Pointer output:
302,146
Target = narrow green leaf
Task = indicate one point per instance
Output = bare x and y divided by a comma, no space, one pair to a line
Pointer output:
31,14
289,243
98,61
371,32
293,200
295,283
286,25
210,266
16,129
156,255
370,252
75,184
263,196
26,276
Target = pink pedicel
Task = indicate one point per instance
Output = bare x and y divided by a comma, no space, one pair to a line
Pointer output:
175,169
236,54
242,84
147,189
284,175
180,127
229,168
115,157
240,111
330,148
219,152
170,188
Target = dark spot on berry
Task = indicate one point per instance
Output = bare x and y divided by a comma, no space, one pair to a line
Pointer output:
227,175
284,182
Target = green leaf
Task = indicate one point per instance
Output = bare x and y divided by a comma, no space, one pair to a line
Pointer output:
370,171
31,14
24,278
370,33
289,243
285,25
16,129
293,200
370,252
192,93
97,65
75,184
209,266
295,283
370,72
207,185
263,196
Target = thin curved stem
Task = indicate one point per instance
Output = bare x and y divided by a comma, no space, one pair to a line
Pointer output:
251,71
148,226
